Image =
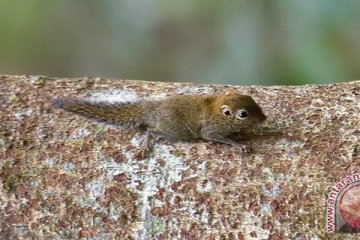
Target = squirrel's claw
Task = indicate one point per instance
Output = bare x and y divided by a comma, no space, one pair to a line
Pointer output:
245,148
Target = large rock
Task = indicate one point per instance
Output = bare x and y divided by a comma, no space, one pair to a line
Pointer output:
64,177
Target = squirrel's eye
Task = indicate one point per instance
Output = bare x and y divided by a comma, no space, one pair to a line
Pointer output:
226,111
242,114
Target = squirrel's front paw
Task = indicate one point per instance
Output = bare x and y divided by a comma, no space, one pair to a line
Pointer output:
245,148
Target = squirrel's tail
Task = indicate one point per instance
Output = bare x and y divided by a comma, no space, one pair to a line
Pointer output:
127,114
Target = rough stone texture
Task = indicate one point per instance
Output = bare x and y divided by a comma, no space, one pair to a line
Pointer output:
64,177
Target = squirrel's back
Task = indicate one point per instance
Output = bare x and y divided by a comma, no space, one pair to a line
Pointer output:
177,117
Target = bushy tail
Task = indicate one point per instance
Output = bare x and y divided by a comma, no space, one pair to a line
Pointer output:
127,114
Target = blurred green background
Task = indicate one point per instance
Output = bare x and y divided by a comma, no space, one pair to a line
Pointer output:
229,42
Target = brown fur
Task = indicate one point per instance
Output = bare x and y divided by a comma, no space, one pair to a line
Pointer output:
181,117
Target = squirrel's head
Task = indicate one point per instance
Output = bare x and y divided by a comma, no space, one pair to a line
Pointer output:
241,109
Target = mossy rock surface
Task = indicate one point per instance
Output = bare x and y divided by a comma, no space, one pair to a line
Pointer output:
64,177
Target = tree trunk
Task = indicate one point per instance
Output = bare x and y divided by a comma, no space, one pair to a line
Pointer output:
65,176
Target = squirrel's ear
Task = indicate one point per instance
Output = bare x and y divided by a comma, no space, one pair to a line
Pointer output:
226,111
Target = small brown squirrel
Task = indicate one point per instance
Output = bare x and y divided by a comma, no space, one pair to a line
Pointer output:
181,117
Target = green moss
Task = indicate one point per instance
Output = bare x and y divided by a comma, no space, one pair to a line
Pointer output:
8,164
11,180
157,227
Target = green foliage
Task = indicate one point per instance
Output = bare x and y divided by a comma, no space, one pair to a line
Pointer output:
235,42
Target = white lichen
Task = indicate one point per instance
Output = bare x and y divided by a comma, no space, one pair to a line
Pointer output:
252,223
68,166
96,188
80,133
22,114
50,162
191,90
114,96
153,179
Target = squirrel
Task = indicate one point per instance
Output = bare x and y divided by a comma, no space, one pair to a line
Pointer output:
180,117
